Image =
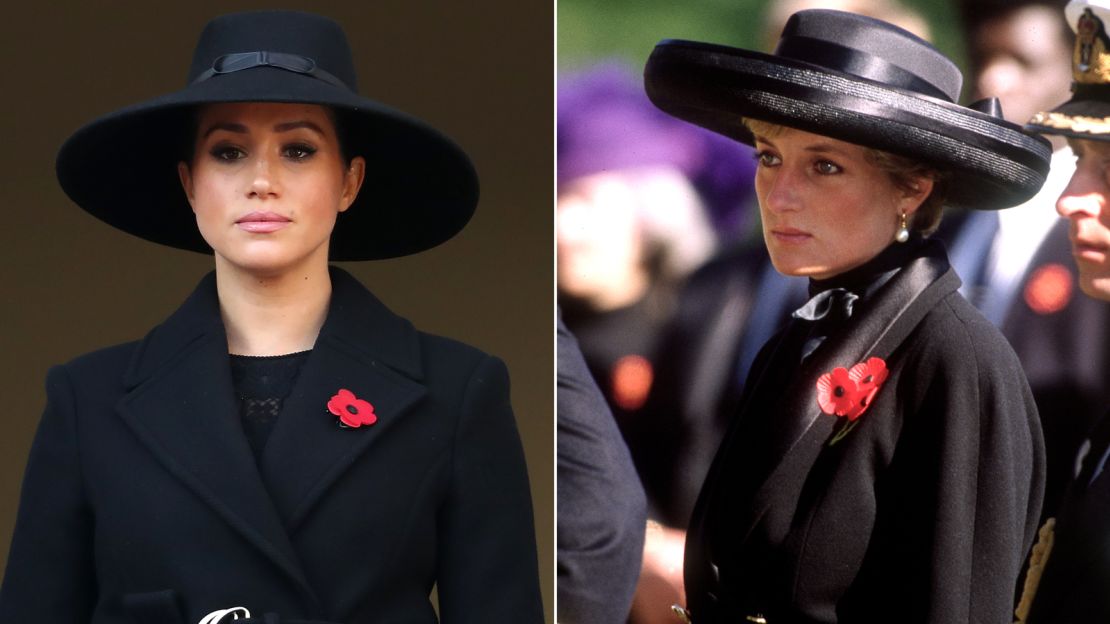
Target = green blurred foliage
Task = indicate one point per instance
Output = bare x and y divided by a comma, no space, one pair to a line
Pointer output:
589,30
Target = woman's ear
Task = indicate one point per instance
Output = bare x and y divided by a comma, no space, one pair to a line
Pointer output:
914,195
352,181
186,178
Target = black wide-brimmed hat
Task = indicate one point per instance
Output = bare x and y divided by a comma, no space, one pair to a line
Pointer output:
859,80
1087,114
420,188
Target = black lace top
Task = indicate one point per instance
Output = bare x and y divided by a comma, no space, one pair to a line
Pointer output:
261,384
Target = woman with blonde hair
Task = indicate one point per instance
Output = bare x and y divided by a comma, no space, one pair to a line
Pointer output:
886,462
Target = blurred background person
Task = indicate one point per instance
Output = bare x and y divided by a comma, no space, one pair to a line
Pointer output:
643,200
892,11
631,223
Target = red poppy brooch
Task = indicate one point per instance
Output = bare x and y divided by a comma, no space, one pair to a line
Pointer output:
352,411
849,392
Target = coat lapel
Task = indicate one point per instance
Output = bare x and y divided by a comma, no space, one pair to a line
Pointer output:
798,431
364,348
182,406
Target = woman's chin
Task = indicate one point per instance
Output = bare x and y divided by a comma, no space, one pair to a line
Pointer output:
796,269
266,261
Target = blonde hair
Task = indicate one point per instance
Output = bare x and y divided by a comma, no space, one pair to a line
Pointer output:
904,172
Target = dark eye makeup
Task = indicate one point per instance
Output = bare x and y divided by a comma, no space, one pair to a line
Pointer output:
298,151
226,153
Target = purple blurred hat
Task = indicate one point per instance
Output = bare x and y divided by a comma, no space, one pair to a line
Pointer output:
606,122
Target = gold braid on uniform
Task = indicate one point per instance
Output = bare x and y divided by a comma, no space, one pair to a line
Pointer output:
1085,125
1037,560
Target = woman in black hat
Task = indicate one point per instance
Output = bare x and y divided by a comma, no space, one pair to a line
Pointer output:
886,464
338,463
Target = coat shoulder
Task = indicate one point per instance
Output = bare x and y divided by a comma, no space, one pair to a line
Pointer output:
445,358
102,368
955,333
439,347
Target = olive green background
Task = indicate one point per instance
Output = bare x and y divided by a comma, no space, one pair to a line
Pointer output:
481,71
628,29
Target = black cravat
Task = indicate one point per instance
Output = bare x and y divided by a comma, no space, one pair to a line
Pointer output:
822,314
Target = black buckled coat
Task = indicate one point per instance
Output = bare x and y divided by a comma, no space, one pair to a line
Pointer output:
143,503
923,512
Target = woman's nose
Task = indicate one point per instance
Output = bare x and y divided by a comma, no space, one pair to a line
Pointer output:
264,182
1085,195
782,190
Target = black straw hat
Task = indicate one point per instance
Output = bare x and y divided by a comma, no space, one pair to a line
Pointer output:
420,188
859,80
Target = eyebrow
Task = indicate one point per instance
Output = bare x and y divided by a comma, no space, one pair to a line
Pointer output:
293,125
824,148
239,128
818,148
225,125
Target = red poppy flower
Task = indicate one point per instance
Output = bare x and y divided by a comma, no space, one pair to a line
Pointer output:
351,410
869,374
862,401
836,392
849,393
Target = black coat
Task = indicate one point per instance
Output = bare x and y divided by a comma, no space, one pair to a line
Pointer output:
922,513
142,501
1064,350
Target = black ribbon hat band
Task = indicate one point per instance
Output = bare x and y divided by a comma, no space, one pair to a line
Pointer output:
856,62
230,63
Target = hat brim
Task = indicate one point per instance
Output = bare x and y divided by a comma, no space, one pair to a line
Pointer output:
420,188
993,163
1078,118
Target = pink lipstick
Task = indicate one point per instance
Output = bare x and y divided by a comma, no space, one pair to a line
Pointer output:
262,222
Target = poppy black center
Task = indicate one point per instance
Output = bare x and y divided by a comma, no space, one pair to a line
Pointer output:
868,378
839,391
351,409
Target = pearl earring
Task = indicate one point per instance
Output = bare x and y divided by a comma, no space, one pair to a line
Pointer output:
903,234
